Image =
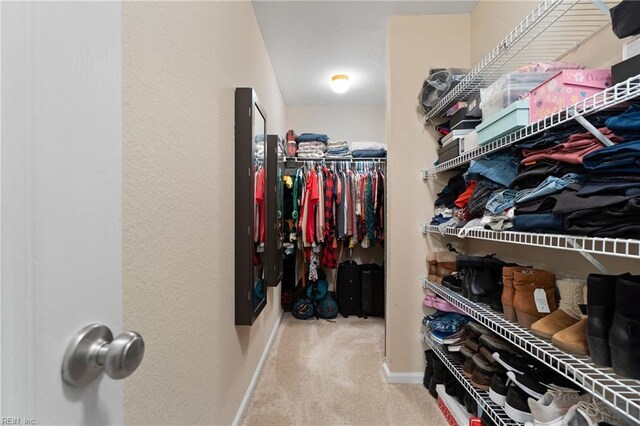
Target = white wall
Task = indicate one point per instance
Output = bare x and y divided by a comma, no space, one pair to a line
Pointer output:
182,61
411,51
350,123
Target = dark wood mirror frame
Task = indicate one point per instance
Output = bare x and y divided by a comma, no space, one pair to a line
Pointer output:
273,232
247,105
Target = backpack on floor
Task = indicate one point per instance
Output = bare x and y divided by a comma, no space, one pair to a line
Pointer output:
303,309
327,307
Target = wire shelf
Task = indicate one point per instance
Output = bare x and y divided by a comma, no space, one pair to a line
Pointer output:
552,30
493,410
607,246
608,98
337,159
621,394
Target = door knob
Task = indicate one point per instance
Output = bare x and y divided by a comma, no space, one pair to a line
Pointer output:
94,350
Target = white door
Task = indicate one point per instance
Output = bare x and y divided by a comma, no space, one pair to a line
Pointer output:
61,252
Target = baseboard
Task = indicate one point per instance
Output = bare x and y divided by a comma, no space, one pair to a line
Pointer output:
408,377
256,375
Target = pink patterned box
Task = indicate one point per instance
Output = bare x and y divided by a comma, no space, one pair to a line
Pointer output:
565,89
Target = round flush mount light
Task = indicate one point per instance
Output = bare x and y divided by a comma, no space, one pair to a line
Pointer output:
340,83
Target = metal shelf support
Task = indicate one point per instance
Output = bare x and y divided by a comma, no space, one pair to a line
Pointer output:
620,393
495,412
618,247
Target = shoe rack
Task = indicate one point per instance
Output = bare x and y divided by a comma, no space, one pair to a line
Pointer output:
620,393
493,410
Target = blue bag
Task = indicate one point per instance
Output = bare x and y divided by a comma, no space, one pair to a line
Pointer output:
327,308
303,309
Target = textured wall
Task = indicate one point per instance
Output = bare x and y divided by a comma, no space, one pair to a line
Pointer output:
351,122
182,62
411,51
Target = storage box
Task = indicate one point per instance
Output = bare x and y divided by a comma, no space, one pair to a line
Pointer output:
460,120
510,88
469,142
509,119
449,151
473,106
564,89
624,70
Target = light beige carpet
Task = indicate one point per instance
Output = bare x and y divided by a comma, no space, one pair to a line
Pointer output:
330,373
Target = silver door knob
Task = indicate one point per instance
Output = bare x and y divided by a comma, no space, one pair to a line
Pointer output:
94,350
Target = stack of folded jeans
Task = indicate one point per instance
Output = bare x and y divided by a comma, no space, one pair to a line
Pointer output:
500,168
627,124
312,145
368,149
338,149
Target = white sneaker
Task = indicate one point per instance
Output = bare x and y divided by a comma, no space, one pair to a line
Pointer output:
550,409
588,414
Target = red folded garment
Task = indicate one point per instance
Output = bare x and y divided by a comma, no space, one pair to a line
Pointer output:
572,151
464,198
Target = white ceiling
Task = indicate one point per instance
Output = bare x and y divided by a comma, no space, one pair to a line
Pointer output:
309,41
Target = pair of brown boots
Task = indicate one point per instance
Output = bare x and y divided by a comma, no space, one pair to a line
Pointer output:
441,264
564,324
519,285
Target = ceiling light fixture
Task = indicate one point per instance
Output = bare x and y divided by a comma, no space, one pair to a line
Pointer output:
340,83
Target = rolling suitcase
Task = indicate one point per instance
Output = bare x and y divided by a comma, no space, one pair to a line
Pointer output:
377,303
372,290
349,289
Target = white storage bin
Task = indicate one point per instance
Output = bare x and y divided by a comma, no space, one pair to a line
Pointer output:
510,88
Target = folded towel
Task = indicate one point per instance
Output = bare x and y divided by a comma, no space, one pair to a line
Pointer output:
374,146
308,137
359,153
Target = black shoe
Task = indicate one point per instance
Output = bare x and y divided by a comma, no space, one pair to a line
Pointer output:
470,404
486,420
428,371
453,282
450,384
498,389
528,384
516,405
512,362
601,296
460,393
624,336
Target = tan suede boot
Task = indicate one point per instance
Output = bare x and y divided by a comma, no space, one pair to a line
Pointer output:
573,339
525,283
446,264
508,292
571,295
432,265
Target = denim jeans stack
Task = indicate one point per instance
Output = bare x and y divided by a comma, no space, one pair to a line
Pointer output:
559,181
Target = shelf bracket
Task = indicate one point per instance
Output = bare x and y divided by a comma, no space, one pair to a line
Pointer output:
602,6
595,262
591,128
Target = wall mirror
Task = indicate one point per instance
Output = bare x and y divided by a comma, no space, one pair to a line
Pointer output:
275,198
251,206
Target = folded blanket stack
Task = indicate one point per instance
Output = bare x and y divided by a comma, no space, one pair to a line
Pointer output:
368,149
312,145
338,149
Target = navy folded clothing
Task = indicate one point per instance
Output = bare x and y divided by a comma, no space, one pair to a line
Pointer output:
621,158
310,137
365,153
